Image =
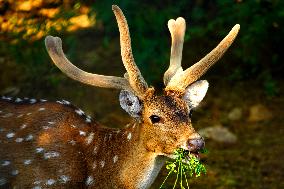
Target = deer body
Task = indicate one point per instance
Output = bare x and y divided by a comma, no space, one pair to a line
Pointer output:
70,151
55,145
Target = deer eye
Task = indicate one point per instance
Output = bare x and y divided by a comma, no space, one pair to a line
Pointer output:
155,118
190,113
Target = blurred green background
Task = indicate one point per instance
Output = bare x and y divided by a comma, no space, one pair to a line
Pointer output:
246,86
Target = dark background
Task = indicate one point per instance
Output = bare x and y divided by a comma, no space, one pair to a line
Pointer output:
246,85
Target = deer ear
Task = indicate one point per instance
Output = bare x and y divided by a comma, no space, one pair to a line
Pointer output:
195,93
130,103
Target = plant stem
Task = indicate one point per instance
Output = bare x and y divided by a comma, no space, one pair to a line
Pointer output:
177,174
166,179
186,180
181,174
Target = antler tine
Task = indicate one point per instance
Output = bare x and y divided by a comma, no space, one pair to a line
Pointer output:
54,48
136,80
177,30
181,80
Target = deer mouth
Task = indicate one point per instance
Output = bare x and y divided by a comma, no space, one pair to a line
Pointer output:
188,154
194,154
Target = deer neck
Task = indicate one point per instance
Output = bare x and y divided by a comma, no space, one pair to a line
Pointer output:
122,153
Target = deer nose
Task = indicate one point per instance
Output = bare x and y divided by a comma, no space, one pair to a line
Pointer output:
196,144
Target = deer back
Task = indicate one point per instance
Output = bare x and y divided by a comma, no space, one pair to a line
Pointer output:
40,142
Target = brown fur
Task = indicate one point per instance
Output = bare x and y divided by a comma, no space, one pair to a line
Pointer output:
126,158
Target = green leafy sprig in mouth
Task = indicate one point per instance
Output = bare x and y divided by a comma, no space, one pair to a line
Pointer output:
184,165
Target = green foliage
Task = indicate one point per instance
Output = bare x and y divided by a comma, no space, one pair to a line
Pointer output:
31,21
184,165
23,28
270,86
256,49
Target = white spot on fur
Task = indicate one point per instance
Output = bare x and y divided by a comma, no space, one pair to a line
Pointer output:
43,100
82,133
90,138
37,182
94,165
109,137
29,113
41,109
21,115
95,151
23,126
88,119
27,162
89,180
117,131
3,181
51,154
50,182
129,136
10,135
58,101
29,137
15,172
115,158
19,139
74,126
73,142
32,101
65,102
18,100
45,127
102,163
39,150
5,163
37,187
6,98
105,138
64,178
51,122
79,112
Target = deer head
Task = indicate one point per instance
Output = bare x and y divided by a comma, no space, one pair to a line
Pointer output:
165,119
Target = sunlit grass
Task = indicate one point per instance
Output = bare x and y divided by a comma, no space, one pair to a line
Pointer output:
32,20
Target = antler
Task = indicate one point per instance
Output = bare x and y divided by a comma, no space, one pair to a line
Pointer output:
182,79
177,30
134,80
54,48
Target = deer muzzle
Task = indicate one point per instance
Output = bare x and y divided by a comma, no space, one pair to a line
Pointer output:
196,144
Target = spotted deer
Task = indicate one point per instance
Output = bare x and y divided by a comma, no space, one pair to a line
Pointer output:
56,145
